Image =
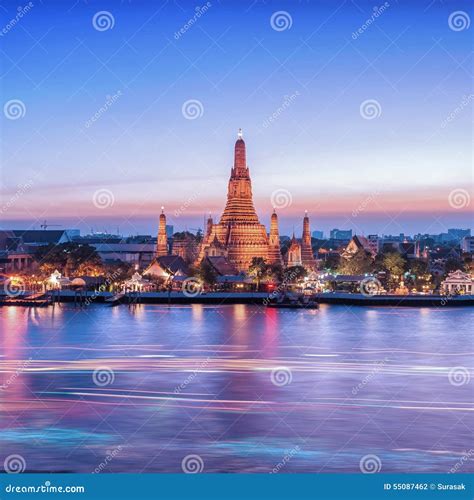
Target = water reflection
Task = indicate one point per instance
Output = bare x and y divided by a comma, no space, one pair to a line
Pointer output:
201,379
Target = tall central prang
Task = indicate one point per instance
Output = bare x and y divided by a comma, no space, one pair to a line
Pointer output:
239,237
239,207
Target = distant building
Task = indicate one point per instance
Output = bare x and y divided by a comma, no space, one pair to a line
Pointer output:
458,234
16,260
139,255
458,282
162,238
166,267
358,243
89,239
18,246
374,240
467,244
408,249
169,231
141,238
293,256
39,237
340,234
390,238
221,266
186,246
318,235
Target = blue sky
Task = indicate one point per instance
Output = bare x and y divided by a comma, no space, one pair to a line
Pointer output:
394,172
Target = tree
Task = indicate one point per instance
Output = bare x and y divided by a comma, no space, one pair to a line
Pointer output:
358,263
419,275
418,267
206,273
257,269
119,271
274,271
453,264
83,260
69,259
331,261
394,264
295,273
51,257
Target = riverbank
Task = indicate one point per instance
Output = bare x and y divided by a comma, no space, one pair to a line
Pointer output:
255,298
358,299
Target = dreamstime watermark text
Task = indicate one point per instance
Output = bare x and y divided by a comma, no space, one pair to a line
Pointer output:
21,12
286,458
378,366
110,100
377,12
285,104
199,11
191,377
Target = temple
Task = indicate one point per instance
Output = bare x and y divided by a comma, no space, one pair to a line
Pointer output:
307,257
162,240
238,237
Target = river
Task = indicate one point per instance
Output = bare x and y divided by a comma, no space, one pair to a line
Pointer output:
236,388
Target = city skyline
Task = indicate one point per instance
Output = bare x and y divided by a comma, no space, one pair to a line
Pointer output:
148,109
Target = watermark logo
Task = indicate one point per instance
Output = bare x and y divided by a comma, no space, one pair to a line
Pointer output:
192,464
103,198
370,286
191,377
466,100
369,377
103,20
197,192
459,375
109,101
14,464
103,287
288,278
460,463
362,207
459,199
281,376
377,12
110,455
287,102
370,464
286,458
22,189
103,376
192,109
281,20
281,198
459,20
199,11
191,287
17,373
14,287
14,109
20,12
370,109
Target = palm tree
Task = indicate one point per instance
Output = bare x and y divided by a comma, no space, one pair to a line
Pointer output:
257,269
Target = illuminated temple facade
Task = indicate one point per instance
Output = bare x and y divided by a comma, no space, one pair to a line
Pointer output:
239,236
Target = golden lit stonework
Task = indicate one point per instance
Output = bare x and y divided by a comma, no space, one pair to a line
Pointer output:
239,235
